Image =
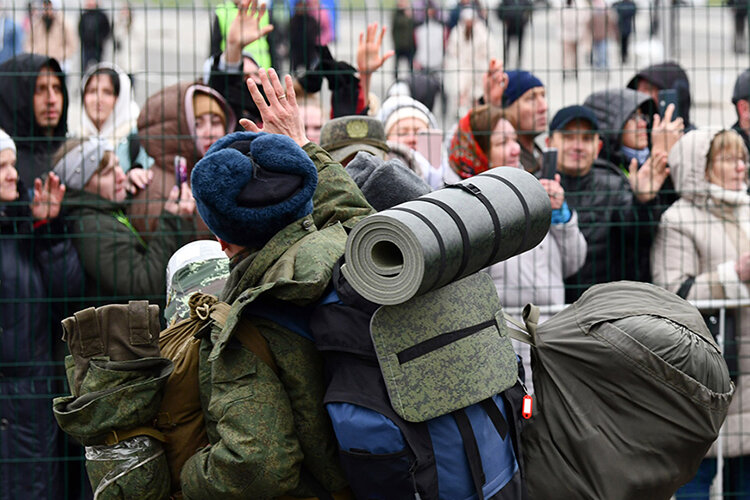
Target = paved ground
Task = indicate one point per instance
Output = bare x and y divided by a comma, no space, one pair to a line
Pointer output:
170,44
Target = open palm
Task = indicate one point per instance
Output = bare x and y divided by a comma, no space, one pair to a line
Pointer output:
47,197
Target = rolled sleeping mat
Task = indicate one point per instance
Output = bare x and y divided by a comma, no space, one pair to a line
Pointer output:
443,236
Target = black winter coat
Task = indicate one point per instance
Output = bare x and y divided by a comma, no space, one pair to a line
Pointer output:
618,228
38,269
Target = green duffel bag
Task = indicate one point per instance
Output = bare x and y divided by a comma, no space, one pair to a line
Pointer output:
630,392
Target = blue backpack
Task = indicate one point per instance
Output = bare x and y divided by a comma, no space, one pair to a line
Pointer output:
470,452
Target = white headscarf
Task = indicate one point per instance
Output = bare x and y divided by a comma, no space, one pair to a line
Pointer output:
124,117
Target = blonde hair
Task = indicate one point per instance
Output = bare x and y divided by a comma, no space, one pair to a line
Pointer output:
724,141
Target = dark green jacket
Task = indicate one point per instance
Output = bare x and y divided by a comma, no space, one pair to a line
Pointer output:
270,433
118,265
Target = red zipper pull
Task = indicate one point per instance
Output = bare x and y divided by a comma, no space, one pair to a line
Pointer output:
526,407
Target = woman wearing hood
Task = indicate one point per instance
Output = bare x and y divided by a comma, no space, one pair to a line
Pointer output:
485,139
702,251
631,128
177,125
110,111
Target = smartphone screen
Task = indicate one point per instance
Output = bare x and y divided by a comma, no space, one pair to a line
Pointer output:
180,170
549,163
667,97
430,144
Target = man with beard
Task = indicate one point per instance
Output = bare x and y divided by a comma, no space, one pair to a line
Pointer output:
34,111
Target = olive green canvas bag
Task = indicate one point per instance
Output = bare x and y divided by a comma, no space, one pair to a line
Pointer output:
630,392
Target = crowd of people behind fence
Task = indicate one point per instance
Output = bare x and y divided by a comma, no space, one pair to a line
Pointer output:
91,215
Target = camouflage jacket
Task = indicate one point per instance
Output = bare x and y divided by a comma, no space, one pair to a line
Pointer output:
270,435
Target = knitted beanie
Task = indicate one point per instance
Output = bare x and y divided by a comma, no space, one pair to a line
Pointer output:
519,82
249,186
6,142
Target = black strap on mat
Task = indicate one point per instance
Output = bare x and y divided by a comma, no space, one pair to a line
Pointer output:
442,340
472,451
475,191
438,237
524,205
461,229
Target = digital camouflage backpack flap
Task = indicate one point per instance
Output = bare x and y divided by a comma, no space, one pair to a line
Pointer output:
444,350
117,384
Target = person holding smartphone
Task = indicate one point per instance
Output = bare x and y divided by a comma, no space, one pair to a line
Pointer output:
485,139
119,265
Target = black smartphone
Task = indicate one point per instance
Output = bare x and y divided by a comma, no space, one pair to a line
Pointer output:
180,170
549,163
667,97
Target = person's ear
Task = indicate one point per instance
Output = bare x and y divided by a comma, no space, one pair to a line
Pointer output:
224,244
599,147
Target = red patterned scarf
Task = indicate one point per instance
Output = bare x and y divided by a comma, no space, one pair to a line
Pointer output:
466,157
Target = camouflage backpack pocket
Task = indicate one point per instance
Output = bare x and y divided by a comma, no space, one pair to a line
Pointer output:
444,350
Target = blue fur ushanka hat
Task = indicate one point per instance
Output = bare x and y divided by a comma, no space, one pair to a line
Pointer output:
249,186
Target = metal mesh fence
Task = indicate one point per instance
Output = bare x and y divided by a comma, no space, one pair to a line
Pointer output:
145,76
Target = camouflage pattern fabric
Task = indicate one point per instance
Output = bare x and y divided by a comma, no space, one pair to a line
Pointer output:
430,348
262,427
207,277
346,136
337,197
117,379
134,468
115,395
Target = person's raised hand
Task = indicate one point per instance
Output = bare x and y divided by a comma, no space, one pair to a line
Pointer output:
245,28
48,197
742,267
180,201
280,114
666,131
369,58
555,191
648,180
494,83
138,178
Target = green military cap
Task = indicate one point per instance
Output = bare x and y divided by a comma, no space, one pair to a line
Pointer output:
346,136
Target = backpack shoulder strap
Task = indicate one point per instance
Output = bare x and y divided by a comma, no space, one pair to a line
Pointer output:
524,332
247,334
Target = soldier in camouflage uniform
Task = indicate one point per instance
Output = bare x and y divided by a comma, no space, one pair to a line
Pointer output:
344,137
199,266
263,403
